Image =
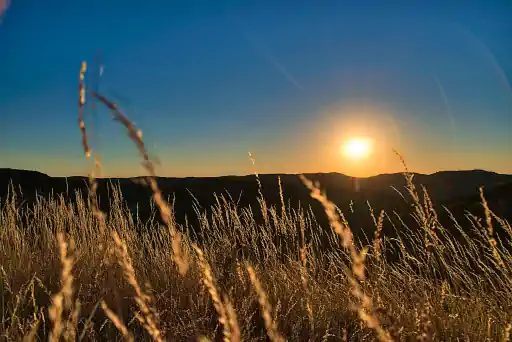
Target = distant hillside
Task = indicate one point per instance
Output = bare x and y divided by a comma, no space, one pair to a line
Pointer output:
457,190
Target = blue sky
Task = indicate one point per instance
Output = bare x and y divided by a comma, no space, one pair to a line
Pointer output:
209,81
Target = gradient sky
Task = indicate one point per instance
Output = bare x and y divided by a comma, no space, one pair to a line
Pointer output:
209,81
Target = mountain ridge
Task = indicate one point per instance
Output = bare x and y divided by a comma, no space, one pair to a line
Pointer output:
7,169
458,191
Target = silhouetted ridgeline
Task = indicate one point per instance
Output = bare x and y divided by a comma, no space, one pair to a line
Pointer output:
457,190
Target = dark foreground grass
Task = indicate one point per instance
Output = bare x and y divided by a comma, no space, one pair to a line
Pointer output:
64,276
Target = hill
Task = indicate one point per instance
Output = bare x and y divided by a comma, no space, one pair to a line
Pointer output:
456,190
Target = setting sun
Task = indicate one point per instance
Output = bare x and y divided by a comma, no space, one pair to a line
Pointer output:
357,148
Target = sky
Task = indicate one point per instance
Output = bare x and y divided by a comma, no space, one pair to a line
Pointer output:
289,81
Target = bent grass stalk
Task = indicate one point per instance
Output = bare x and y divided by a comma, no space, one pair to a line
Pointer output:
357,274
226,317
180,256
490,230
266,307
116,320
149,318
93,185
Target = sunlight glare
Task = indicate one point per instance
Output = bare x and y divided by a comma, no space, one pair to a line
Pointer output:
357,148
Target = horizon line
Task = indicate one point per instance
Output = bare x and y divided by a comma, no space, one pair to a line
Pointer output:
265,174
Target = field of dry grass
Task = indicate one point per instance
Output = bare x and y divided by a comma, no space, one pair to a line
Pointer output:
70,273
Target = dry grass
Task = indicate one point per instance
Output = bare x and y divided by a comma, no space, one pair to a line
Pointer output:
231,330
455,290
60,261
265,307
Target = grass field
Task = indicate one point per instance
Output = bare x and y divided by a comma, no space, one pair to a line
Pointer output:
70,272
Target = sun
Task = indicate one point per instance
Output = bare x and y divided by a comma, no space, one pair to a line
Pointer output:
357,148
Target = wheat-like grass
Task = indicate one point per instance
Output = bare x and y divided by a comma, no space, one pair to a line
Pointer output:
232,320
421,212
377,240
116,320
265,306
261,199
230,323
490,230
81,103
281,198
180,256
365,309
303,255
62,301
149,317
93,185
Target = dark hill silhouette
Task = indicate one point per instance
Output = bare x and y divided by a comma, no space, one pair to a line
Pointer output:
499,200
457,190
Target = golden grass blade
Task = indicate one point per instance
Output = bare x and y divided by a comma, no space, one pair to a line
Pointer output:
228,323
149,317
180,256
81,104
266,307
127,335
62,301
365,309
